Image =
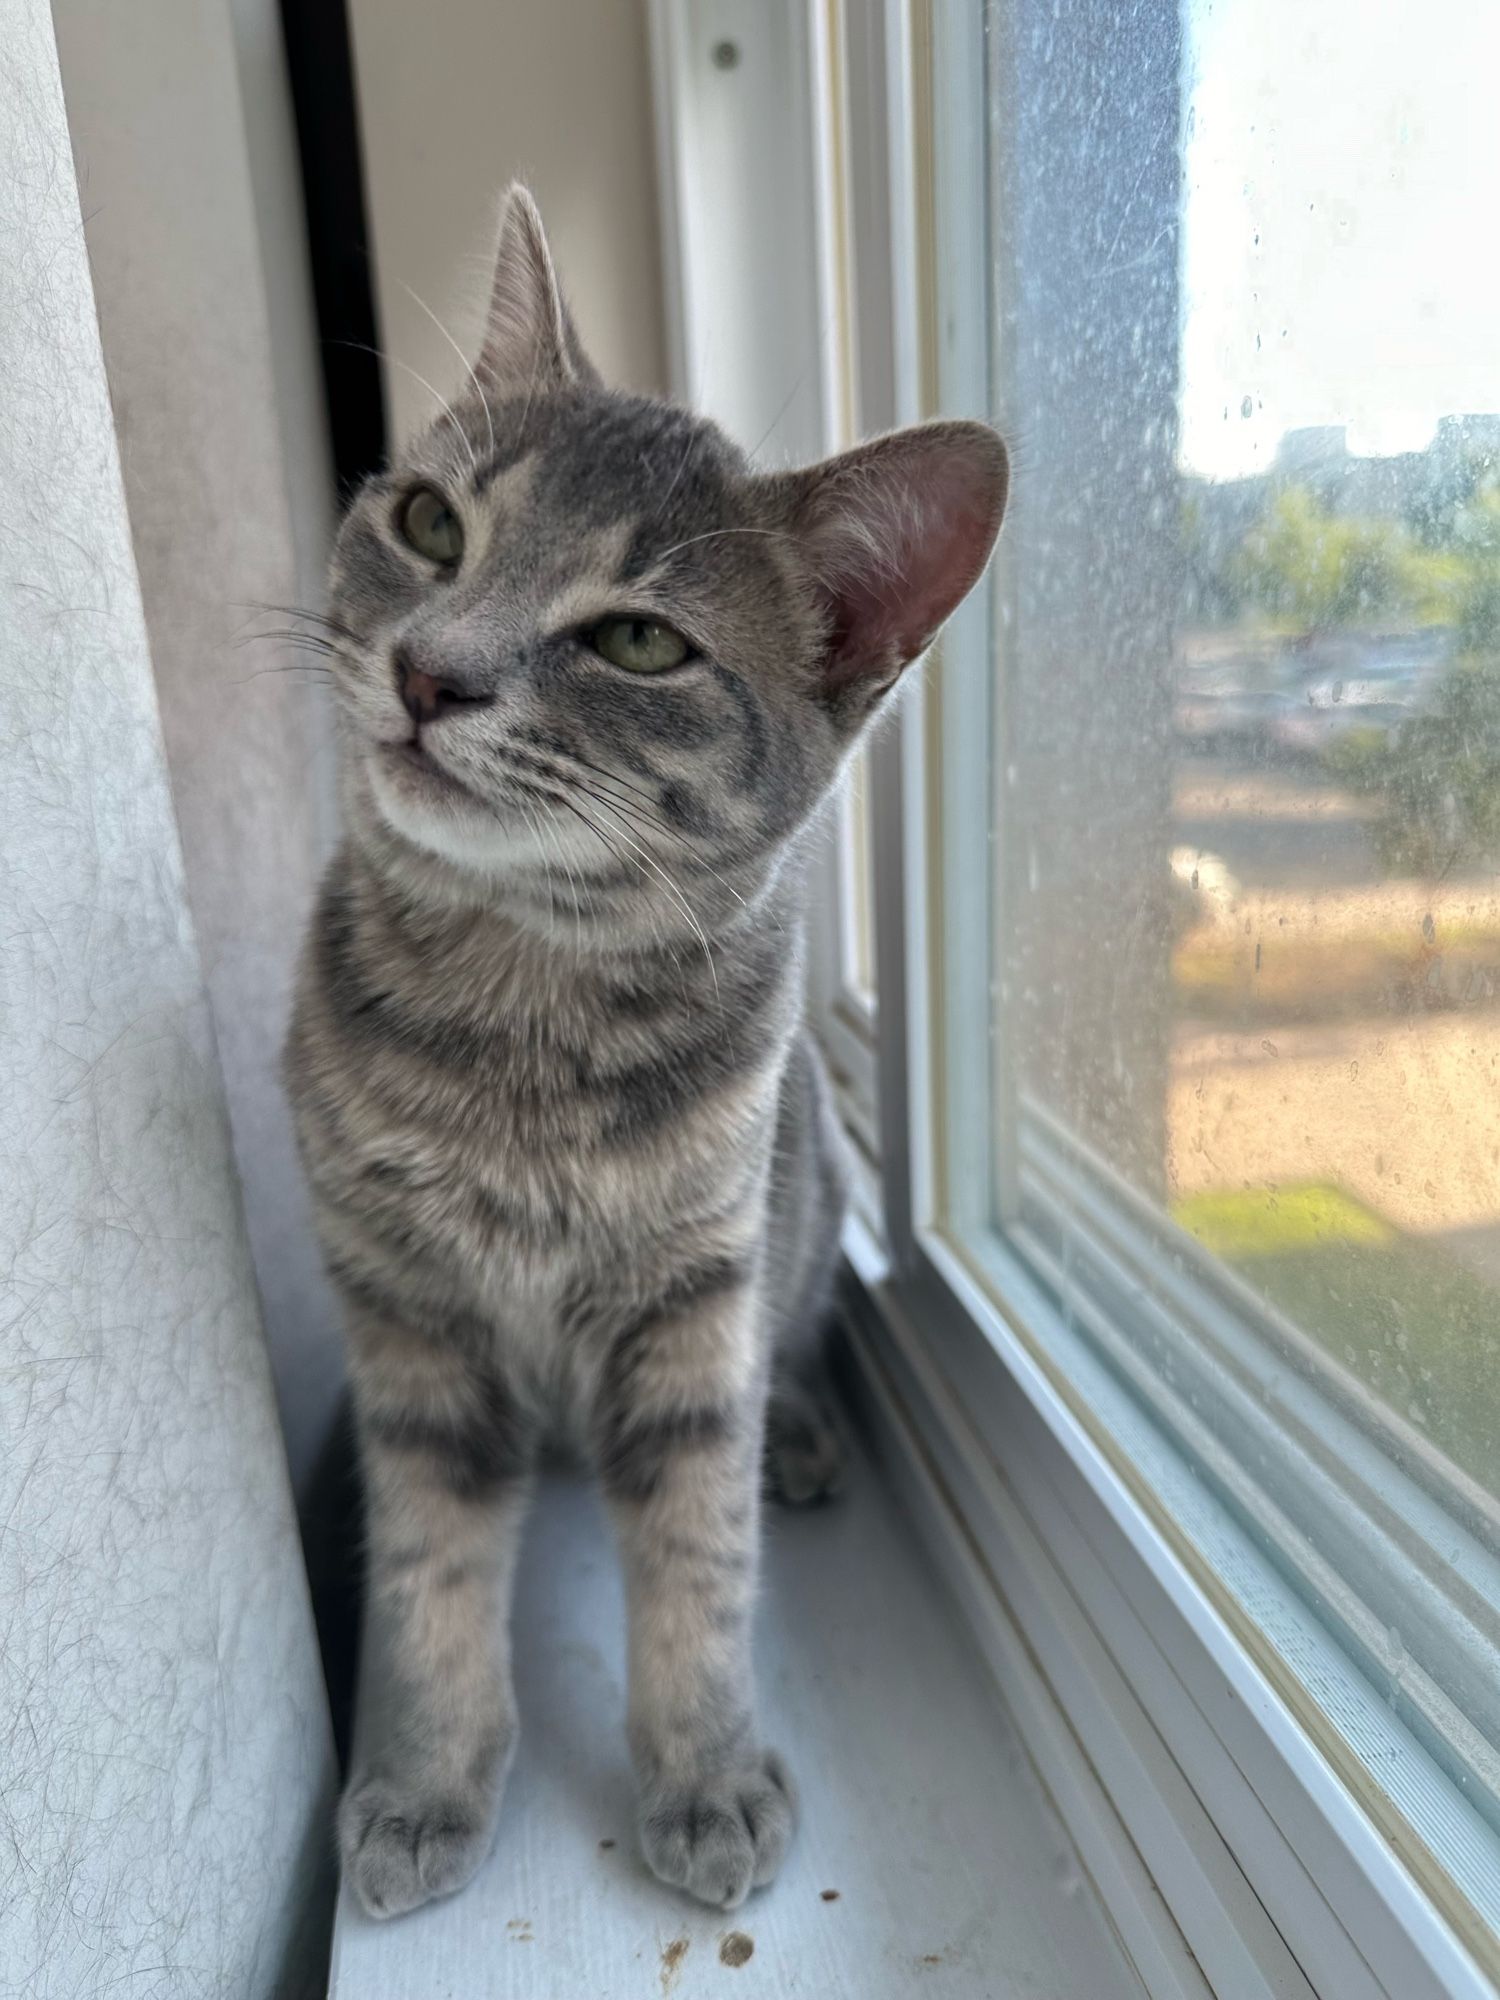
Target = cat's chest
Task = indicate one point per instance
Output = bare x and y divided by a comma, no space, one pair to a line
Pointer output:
525,1153
516,1123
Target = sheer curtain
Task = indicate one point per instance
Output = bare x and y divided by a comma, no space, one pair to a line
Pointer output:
165,1744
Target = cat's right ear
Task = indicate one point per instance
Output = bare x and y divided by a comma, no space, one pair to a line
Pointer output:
898,532
529,336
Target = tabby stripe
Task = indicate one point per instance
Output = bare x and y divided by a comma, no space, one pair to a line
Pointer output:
754,761
373,1012
636,1451
649,1093
689,1287
463,1206
655,1092
364,1290
635,1445
472,1454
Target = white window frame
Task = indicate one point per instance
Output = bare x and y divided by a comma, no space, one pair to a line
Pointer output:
1233,1852
793,401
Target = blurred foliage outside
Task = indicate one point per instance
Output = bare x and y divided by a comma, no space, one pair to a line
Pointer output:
1305,569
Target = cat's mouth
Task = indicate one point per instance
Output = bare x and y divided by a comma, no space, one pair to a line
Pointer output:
412,767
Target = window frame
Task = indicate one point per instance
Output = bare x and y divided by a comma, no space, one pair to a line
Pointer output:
788,63
1229,1846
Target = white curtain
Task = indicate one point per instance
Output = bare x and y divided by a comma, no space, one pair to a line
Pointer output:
164,1752
191,194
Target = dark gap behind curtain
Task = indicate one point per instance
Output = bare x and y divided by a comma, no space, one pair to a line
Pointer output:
321,69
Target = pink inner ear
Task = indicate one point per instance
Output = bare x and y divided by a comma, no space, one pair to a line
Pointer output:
907,525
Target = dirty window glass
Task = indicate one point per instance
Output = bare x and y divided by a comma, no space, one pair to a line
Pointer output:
1247,765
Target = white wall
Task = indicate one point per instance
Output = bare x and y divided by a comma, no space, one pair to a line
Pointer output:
184,146
185,151
457,100
164,1749
742,155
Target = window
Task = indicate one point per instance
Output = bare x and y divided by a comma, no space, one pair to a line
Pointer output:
1252,955
749,221
1177,973
1230,980
844,979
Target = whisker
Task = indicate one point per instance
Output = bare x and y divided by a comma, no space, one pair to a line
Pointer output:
693,444
313,641
578,813
436,394
599,772
534,821
627,808
531,387
293,667
682,903
623,808
641,815
314,661
556,768
313,617
773,534
483,399
631,815
317,675
569,871
625,860
771,426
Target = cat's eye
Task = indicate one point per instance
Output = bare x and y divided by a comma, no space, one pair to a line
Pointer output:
639,645
432,528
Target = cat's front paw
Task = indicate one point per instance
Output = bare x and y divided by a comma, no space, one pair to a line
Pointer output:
401,1846
723,1837
804,1463
804,1459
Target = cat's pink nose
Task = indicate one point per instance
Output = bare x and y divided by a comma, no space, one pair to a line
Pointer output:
426,695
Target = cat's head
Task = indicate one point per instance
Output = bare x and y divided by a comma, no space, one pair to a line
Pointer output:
581,633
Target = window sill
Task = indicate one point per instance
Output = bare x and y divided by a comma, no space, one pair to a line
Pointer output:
1225,1847
918,1805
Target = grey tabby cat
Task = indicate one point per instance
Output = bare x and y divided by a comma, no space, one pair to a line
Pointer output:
571,1150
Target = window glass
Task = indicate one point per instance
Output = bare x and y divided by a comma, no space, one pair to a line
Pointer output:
1246,753
858,888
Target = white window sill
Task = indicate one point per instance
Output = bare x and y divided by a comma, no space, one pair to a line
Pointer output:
918,1805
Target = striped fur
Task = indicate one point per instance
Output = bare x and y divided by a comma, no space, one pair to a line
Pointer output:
569,1146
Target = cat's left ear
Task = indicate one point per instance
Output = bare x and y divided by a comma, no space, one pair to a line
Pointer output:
529,336
898,532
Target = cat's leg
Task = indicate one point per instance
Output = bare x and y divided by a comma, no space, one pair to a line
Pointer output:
804,1461
447,1473
680,1423
804,1455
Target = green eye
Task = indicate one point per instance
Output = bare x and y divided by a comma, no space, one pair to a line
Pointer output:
432,528
639,645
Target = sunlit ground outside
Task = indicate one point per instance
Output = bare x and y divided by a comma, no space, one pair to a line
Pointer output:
1334,1094
1334,1109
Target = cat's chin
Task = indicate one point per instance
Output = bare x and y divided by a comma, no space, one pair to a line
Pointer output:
439,815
